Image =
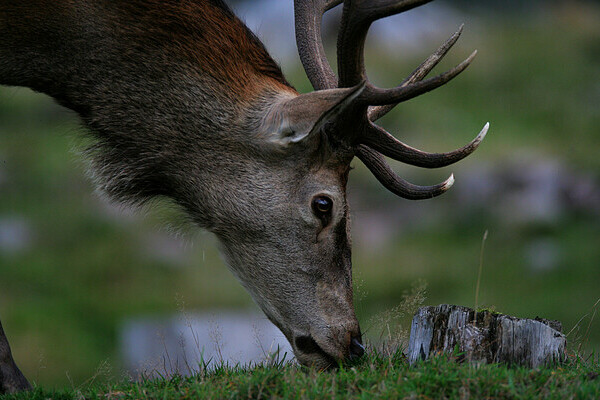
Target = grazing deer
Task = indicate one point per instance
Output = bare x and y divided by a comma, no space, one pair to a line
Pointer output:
185,103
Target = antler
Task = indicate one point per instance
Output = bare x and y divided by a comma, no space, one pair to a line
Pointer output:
372,142
308,16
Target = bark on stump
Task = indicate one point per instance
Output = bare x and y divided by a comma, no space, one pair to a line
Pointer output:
485,337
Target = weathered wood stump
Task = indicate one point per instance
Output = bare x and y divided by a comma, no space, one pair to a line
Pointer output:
485,337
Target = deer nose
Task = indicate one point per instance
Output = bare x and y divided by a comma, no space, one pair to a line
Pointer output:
357,350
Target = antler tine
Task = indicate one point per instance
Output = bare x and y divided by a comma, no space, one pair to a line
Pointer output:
376,96
356,19
391,181
380,140
418,74
308,16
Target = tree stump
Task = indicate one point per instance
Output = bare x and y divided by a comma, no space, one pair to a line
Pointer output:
485,337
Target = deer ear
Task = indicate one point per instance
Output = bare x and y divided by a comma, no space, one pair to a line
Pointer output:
300,118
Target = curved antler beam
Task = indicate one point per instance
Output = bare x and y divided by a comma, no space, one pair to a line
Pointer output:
391,181
308,16
356,20
383,142
371,10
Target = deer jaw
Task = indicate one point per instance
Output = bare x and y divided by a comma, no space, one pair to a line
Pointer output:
298,271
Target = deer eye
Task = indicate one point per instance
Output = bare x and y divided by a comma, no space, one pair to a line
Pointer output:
322,206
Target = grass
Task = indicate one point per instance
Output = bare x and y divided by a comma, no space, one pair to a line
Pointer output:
378,375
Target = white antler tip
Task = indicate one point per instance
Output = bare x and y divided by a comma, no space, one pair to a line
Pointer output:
482,134
449,182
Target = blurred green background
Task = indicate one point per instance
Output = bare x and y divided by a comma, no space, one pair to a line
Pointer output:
73,267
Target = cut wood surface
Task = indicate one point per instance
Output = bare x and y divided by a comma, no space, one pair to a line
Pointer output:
485,337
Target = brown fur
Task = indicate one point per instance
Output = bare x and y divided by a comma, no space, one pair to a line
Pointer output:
206,34
183,102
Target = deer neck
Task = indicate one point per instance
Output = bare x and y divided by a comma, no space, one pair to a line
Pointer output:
89,52
163,87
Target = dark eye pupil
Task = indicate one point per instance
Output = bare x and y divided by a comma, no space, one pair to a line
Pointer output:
322,205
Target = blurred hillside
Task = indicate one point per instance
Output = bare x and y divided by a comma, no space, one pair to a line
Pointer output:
74,269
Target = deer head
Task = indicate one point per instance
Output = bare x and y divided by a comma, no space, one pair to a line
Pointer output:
185,103
324,328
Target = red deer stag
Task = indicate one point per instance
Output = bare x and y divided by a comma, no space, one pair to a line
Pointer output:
185,103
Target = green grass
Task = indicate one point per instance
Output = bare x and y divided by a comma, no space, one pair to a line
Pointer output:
377,376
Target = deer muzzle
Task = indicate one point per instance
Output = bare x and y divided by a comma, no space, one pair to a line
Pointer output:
335,335
329,347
